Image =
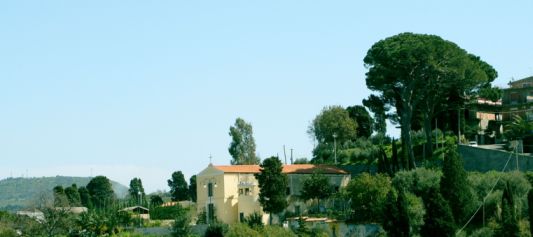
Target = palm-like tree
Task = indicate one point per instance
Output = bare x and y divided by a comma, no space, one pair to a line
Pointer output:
518,128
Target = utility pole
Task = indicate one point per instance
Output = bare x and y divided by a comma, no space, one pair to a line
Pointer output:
284,154
335,146
291,157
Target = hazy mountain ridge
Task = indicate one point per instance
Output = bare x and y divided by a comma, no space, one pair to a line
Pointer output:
20,193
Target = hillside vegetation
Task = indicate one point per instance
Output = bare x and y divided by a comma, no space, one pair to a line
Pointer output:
20,193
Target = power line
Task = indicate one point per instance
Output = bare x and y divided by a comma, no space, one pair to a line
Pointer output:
492,189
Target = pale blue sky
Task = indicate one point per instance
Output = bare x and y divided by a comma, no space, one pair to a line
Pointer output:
143,88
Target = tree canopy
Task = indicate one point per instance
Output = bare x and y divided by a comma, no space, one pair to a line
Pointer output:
272,184
362,118
316,187
418,72
242,146
136,191
179,190
101,192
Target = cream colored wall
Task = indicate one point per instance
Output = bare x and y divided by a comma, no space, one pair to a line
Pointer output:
202,179
227,202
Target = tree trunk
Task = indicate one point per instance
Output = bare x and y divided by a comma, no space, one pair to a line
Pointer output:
427,131
407,145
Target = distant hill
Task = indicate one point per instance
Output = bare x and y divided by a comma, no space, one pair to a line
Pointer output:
19,193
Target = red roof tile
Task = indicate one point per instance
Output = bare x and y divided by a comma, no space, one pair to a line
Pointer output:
287,169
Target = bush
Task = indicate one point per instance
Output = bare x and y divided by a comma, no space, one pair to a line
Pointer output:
275,231
181,227
165,213
241,230
254,220
216,230
368,194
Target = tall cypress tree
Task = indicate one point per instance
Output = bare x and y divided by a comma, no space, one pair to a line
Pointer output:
438,221
396,220
509,226
454,185
530,209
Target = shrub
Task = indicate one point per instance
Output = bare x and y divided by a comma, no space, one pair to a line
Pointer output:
216,230
241,230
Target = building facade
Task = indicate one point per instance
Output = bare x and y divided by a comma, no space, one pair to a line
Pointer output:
230,193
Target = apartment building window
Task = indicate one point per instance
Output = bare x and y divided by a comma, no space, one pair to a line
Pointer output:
211,211
210,189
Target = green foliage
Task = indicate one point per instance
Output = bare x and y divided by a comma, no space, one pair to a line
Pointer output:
379,108
455,188
216,230
73,196
60,199
254,220
155,201
316,187
427,66
192,188
362,118
165,213
333,120
509,222
136,189
272,183
181,227
530,210
438,221
275,231
85,197
179,191
518,128
101,191
368,194
242,146
415,211
417,181
241,230
99,223
396,217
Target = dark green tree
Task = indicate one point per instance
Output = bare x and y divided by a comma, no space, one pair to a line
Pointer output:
379,108
179,190
396,218
136,192
316,187
85,197
438,221
60,199
73,195
416,73
509,221
101,192
242,146
454,185
192,188
395,161
362,118
530,210
156,200
272,183
368,194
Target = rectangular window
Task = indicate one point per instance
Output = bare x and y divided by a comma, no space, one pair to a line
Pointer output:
210,189
297,210
241,192
288,191
246,191
241,217
211,211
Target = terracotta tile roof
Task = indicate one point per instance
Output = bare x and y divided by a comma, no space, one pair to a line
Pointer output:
287,169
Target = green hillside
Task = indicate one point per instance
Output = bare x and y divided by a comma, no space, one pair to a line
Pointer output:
18,193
